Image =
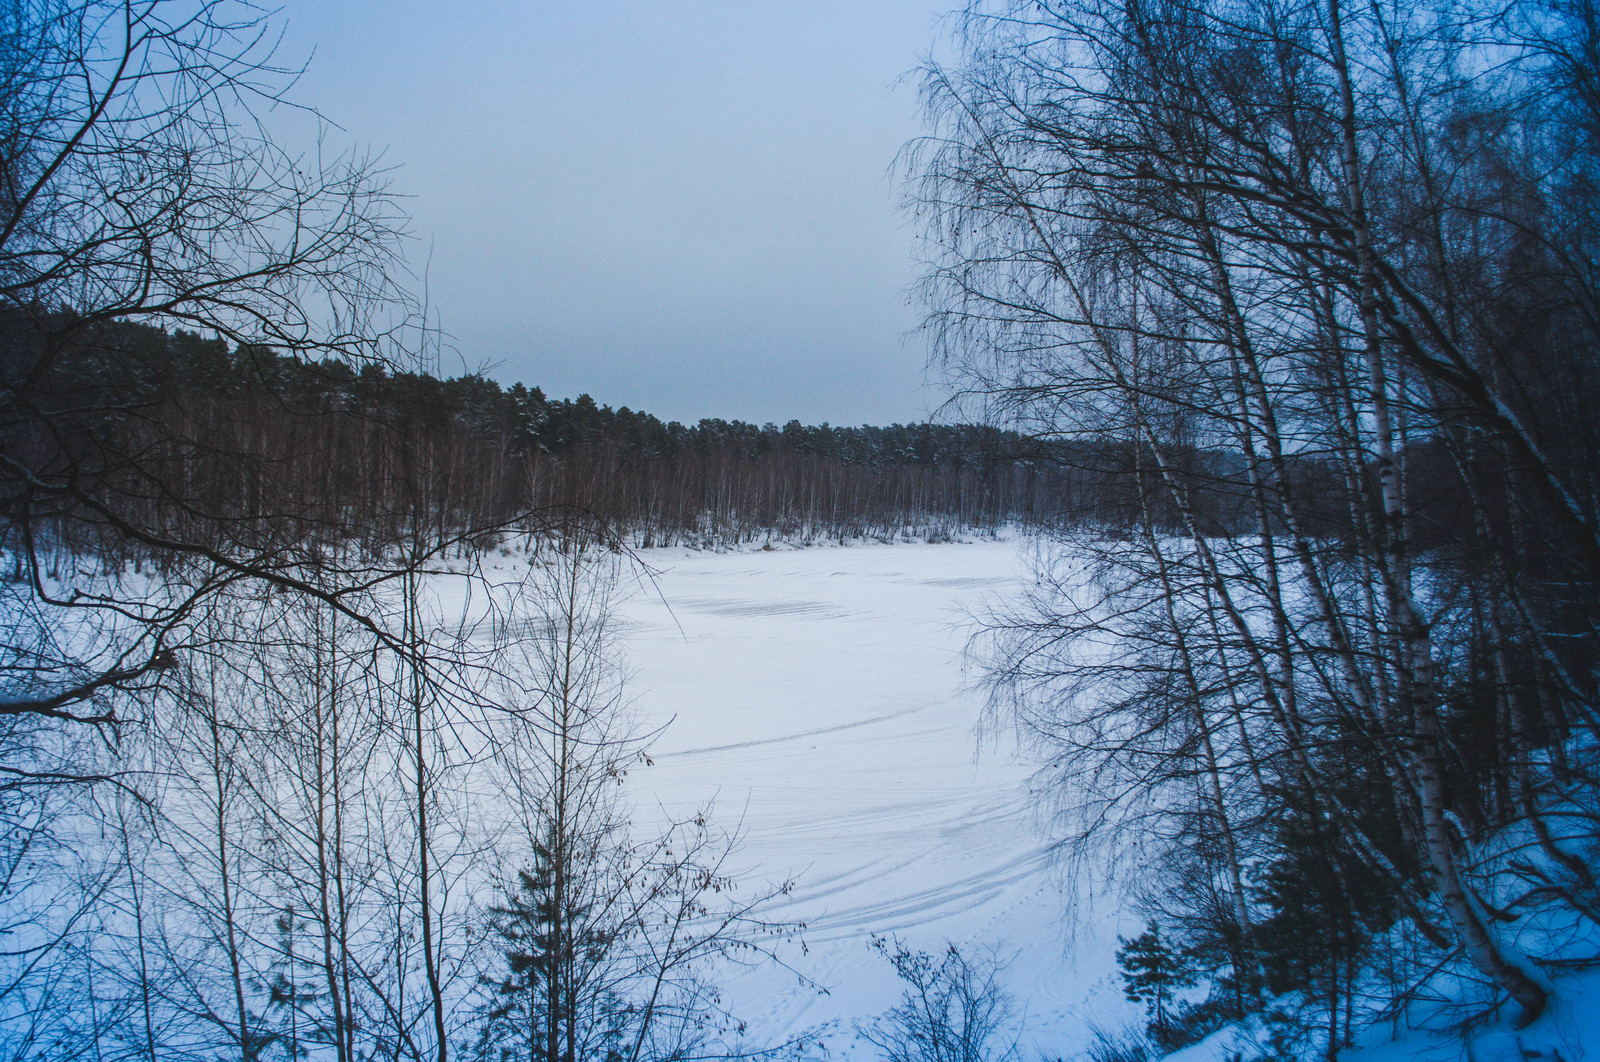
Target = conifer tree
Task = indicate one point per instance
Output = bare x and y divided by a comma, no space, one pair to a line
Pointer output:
1152,969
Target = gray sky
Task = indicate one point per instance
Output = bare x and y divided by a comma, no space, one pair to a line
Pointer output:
682,207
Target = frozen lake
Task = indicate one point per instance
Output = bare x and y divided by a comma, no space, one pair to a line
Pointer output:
819,697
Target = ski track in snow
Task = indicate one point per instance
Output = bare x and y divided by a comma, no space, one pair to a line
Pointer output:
785,738
818,701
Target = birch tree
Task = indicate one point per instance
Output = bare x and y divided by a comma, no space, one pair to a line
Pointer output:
1289,254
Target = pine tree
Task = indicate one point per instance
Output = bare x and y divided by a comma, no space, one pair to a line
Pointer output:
1323,905
547,937
1151,971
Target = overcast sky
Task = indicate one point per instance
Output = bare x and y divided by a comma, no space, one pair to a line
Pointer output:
682,207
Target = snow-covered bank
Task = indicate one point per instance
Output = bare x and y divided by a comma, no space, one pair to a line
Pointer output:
1569,1031
818,696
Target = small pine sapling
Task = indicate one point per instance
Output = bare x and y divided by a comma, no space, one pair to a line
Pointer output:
1152,970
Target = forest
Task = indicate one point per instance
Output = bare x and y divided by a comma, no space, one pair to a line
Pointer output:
328,449
326,443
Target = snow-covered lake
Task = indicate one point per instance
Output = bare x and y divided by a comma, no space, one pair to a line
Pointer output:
819,697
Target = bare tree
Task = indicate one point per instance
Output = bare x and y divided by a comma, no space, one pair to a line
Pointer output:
142,185
953,1010
1266,248
609,944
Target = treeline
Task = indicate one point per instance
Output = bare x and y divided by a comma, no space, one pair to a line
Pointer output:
210,441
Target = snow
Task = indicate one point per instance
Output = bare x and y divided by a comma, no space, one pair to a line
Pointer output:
819,701
1568,1031
818,697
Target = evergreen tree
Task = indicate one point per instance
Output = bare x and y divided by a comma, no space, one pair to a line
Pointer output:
549,944
1152,969
1324,905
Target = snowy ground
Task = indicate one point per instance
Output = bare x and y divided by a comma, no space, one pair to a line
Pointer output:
819,696
818,700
